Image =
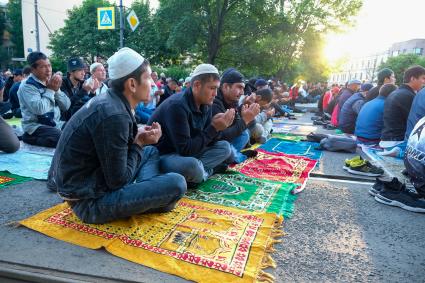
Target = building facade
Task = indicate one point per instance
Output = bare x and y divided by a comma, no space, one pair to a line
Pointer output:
365,68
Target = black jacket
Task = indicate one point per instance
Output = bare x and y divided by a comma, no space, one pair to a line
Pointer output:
167,93
238,125
186,130
396,110
78,99
96,153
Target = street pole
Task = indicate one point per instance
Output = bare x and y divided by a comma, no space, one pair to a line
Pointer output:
37,34
121,26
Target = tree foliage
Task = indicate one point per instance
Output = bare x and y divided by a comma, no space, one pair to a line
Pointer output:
259,37
80,36
14,15
399,64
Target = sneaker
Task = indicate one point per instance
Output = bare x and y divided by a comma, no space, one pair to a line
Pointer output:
365,168
319,122
402,198
353,160
381,185
330,127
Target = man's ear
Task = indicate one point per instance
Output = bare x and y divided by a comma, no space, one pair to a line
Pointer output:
130,85
196,85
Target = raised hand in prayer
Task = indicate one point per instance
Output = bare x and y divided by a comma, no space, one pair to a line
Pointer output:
248,113
250,99
222,121
54,83
148,134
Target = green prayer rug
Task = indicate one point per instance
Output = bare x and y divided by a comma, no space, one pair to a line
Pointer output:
287,137
237,190
7,179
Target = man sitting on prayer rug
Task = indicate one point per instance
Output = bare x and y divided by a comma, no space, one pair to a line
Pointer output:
231,88
102,165
188,143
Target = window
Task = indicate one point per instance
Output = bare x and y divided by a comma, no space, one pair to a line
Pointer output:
418,51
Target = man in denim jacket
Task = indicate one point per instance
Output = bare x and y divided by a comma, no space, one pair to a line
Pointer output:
41,103
102,165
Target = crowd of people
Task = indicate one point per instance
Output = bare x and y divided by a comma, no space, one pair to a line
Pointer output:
386,117
129,141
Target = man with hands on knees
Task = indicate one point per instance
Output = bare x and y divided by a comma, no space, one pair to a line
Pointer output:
188,144
103,165
42,102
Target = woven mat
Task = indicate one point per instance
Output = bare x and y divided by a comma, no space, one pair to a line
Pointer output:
198,241
240,191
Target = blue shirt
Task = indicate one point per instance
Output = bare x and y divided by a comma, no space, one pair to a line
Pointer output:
370,120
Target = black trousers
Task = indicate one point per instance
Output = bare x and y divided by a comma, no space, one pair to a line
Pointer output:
44,136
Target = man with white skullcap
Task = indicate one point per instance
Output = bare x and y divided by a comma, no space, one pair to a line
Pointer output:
103,166
188,145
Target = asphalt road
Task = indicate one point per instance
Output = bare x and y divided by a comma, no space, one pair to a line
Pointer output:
338,234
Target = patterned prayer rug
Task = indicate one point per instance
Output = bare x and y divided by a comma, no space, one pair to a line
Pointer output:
237,190
277,167
7,179
198,241
305,149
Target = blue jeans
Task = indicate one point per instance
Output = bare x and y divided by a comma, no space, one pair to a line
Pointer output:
238,144
198,168
151,192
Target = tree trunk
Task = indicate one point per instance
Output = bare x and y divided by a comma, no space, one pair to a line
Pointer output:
215,31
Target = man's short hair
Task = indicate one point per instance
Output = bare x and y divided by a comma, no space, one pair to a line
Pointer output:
118,84
26,70
384,73
204,78
386,89
33,57
414,71
265,94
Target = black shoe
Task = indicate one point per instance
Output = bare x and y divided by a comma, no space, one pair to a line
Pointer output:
250,153
381,185
319,122
329,127
402,198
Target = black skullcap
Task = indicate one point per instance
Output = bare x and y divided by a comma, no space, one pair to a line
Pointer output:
231,76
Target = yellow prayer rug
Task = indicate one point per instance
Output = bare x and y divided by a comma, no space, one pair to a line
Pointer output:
198,241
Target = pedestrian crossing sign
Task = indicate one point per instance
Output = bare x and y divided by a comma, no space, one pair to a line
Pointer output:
106,18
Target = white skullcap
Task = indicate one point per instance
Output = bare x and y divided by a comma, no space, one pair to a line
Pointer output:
204,69
187,80
94,66
124,62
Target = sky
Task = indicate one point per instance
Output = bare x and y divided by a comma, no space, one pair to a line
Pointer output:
379,24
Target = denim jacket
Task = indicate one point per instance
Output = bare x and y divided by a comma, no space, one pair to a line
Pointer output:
40,105
96,153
